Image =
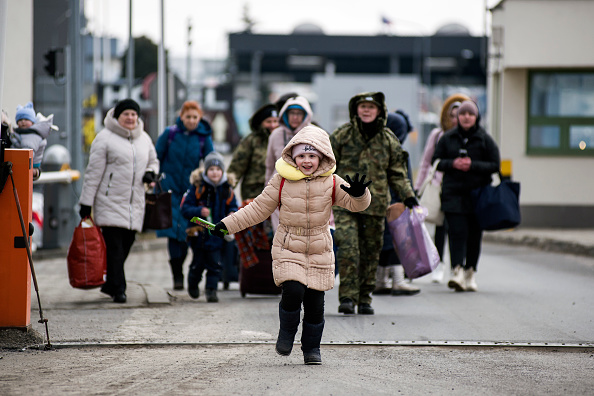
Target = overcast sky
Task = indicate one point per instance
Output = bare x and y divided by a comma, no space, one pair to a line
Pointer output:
212,20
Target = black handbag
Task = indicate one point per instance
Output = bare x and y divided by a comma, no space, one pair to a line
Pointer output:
497,207
157,210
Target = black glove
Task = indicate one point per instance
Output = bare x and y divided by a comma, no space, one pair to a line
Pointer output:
218,230
410,202
149,177
85,211
357,188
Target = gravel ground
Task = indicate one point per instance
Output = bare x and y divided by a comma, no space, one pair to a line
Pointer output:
19,339
257,370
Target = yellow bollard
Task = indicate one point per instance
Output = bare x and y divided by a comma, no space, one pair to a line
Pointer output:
506,169
15,273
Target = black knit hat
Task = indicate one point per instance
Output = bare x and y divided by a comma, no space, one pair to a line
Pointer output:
123,105
268,110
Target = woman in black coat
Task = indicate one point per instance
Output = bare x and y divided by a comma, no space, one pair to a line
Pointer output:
468,156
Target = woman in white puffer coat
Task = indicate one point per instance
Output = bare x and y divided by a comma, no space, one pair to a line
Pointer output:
122,158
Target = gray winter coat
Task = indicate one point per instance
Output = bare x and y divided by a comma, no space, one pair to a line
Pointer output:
113,179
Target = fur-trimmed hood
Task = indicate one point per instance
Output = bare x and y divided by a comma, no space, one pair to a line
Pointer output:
444,117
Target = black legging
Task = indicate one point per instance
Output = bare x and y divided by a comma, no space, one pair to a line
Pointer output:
294,293
465,237
440,234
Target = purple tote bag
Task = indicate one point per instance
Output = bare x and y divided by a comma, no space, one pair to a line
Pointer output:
413,243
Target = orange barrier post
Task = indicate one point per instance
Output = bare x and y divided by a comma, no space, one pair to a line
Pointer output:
15,273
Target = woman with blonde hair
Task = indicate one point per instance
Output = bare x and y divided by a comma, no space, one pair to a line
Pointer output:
448,120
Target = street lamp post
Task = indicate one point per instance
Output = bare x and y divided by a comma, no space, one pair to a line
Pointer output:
130,69
161,74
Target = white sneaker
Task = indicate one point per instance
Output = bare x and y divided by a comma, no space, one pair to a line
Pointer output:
457,282
470,280
437,274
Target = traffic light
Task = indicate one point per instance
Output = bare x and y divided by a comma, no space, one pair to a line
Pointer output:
50,62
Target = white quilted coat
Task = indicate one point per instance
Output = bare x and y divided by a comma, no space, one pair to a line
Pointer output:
302,247
113,178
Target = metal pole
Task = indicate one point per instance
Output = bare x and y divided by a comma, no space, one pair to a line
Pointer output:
76,88
69,123
256,78
2,46
161,74
189,60
130,55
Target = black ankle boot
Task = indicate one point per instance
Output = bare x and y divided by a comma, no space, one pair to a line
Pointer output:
289,322
211,295
177,272
311,337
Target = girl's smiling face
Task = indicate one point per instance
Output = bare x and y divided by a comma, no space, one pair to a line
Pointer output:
307,163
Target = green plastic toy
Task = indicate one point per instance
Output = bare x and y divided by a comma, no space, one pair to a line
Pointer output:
206,224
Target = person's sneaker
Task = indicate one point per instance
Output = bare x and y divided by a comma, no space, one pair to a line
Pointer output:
211,296
194,292
346,306
365,309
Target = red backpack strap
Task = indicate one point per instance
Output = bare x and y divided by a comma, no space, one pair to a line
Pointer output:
280,190
333,190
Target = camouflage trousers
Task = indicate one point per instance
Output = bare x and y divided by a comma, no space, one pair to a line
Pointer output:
360,239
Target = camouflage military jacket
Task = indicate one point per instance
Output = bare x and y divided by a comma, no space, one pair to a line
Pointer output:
382,159
249,163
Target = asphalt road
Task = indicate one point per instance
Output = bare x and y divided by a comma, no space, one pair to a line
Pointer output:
529,330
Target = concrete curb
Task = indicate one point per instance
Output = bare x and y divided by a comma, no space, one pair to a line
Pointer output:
541,242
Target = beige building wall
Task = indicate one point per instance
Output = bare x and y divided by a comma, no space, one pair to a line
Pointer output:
545,180
18,56
531,35
548,33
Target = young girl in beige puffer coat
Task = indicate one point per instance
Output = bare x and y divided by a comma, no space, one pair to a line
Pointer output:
304,189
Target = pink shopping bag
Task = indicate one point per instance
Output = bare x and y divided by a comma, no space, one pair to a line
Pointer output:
412,241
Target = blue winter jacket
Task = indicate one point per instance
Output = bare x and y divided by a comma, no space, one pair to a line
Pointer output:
179,151
219,199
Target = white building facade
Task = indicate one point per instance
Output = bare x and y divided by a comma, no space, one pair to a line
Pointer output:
541,106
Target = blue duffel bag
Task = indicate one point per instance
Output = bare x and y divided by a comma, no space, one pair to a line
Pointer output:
497,207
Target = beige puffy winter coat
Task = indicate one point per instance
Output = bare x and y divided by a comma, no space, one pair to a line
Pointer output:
113,179
302,247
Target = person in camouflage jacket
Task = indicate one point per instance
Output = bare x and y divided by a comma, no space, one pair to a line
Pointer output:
365,145
249,158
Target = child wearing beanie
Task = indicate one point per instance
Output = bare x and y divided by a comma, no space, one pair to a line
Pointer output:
210,198
31,133
304,190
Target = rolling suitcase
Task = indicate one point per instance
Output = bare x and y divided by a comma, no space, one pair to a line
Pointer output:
258,279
